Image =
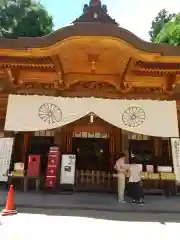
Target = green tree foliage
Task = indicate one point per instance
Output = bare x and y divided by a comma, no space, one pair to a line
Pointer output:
24,18
159,22
170,33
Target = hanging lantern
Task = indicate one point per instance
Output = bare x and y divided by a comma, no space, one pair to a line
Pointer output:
91,120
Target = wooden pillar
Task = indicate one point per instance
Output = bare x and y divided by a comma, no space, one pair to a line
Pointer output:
25,145
118,147
58,138
112,144
169,151
112,149
156,147
157,158
69,140
125,142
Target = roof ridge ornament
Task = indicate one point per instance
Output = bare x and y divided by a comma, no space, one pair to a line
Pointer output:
95,12
94,3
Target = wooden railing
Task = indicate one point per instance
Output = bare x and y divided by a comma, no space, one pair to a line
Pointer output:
95,179
106,181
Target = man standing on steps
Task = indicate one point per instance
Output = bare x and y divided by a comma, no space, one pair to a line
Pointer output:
121,168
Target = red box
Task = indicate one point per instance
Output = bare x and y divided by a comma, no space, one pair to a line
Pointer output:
50,182
33,165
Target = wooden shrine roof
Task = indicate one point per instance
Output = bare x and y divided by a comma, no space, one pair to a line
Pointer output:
94,56
89,29
94,21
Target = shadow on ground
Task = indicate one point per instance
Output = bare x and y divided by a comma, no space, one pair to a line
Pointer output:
114,216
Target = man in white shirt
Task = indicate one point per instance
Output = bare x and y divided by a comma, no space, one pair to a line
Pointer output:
121,168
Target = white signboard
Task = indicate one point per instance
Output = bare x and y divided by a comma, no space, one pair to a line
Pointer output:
68,163
175,146
6,145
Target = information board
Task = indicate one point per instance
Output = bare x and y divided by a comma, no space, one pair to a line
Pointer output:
6,145
68,163
175,147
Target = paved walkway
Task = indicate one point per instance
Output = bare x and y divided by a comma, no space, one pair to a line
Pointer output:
91,201
88,225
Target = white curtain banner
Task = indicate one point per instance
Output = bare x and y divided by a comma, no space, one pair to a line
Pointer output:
36,113
6,145
147,117
175,147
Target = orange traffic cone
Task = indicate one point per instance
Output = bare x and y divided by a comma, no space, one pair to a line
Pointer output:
10,207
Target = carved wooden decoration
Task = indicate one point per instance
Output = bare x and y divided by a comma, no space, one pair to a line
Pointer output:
93,59
92,86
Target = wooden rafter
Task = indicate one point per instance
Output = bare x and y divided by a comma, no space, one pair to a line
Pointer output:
35,63
157,68
158,65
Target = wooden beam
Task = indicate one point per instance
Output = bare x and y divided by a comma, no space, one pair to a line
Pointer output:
59,82
58,65
128,73
169,80
122,76
4,97
11,80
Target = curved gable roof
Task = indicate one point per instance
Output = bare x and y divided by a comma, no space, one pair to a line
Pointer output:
89,29
94,21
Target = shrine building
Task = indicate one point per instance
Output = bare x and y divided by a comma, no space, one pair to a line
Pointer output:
97,61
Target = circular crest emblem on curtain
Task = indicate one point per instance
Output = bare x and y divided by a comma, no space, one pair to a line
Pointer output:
50,113
133,117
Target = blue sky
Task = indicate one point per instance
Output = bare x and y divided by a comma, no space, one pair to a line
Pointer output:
134,15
